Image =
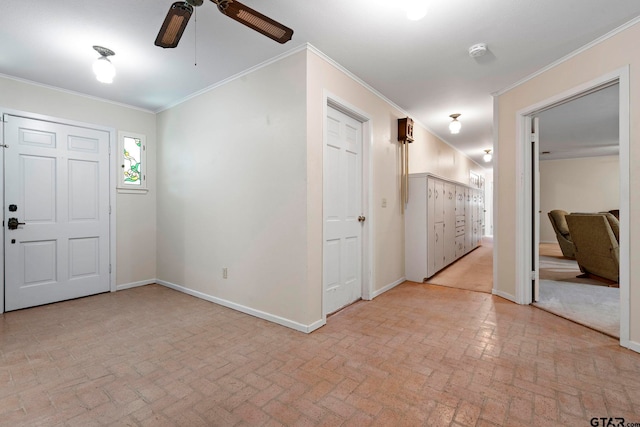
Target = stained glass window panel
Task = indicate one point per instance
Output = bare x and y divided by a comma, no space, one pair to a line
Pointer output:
132,161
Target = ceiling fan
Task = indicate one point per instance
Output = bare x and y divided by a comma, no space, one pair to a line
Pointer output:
180,12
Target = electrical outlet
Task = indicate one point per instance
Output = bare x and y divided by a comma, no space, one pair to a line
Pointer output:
224,273
384,202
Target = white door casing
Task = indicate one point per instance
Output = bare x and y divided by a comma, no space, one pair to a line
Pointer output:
524,199
57,176
342,208
535,160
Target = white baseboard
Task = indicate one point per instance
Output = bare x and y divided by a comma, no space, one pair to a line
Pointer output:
316,325
244,309
632,345
388,287
503,295
135,284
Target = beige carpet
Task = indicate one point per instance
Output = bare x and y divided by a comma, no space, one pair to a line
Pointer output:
554,266
597,307
586,301
473,271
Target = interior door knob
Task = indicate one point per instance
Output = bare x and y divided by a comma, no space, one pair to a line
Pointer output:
361,218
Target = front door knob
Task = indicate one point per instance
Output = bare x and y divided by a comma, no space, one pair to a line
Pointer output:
361,218
13,223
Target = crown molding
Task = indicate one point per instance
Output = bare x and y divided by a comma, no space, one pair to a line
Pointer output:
387,100
239,75
71,92
565,58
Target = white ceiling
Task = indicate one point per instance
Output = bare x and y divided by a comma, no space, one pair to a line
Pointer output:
421,66
584,127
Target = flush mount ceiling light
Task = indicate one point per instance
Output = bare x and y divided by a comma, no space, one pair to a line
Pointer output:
487,157
455,125
415,9
102,67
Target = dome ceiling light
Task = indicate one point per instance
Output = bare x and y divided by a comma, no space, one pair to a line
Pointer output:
455,125
487,157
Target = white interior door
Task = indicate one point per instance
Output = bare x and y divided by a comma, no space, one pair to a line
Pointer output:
57,189
343,214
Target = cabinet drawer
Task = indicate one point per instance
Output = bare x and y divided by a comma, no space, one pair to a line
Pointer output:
460,231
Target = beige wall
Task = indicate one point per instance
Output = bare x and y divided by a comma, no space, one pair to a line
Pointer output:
427,154
388,231
589,184
136,214
430,154
605,57
240,186
232,193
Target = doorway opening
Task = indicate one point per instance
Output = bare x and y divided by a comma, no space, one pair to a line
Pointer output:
528,200
578,167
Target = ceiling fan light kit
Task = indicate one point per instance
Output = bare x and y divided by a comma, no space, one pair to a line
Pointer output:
455,125
102,67
180,12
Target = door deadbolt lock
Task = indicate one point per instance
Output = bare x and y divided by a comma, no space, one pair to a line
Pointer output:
13,208
361,218
13,223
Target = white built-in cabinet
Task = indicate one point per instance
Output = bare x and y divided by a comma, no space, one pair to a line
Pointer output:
443,222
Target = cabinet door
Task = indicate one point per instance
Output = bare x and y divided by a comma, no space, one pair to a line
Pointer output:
460,246
416,230
430,224
430,205
438,199
475,219
468,235
449,223
474,235
438,252
460,200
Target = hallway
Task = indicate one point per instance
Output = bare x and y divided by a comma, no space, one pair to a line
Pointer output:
473,272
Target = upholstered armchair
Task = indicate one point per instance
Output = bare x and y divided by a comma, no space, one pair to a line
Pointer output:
559,223
595,238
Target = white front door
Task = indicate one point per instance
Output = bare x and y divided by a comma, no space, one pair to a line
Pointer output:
57,190
343,214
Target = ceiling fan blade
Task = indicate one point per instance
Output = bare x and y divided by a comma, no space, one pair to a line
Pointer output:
174,25
255,20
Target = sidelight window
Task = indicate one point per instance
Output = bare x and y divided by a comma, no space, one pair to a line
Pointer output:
132,151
